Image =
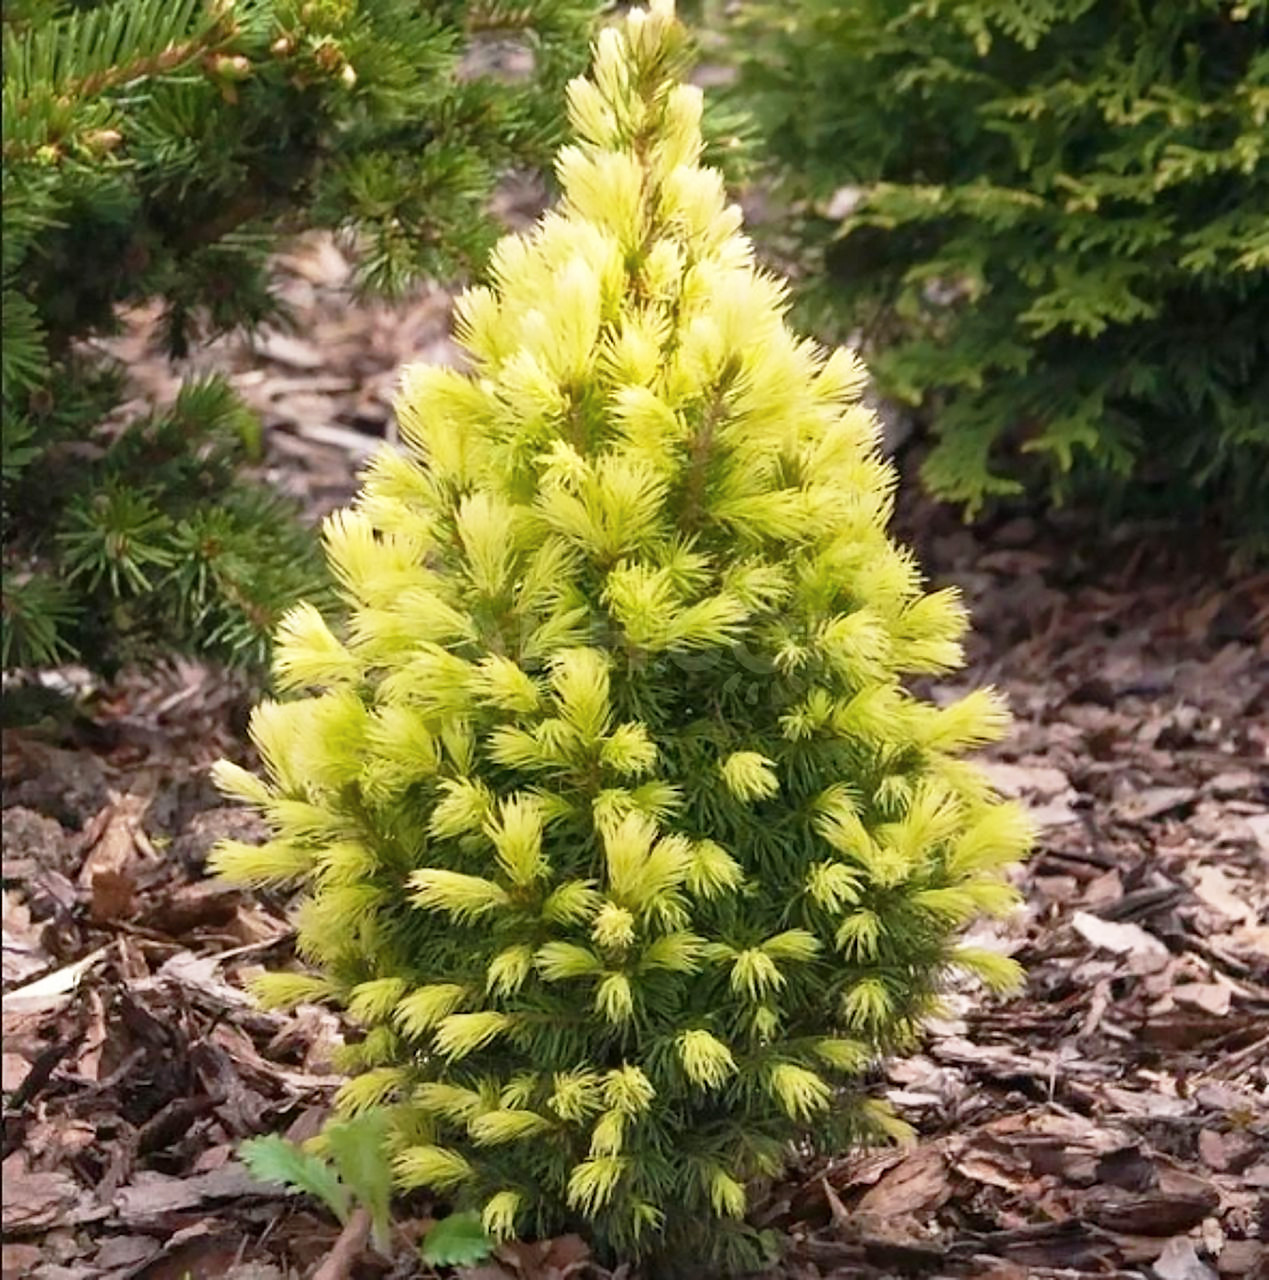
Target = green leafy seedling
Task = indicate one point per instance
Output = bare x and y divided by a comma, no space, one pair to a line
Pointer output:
357,1172
274,1159
456,1241
357,1148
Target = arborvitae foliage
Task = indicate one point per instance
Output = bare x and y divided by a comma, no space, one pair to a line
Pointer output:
158,149
1064,214
622,836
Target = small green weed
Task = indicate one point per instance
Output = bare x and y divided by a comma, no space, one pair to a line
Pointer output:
358,1172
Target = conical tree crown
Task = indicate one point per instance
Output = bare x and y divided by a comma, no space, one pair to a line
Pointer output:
623,838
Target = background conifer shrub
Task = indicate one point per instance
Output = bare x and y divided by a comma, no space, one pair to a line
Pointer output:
620,834
160,149
1060,239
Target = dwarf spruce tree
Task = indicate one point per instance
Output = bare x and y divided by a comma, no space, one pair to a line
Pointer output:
622,838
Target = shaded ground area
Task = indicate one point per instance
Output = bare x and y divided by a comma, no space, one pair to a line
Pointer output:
1111,1121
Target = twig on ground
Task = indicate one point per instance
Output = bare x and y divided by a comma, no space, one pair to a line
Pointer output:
339,1261
1231,1061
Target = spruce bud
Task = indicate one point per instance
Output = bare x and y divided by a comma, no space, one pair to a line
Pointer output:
329,56
101,141
232,67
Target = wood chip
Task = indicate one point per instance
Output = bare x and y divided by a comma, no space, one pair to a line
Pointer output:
916,1185
1179,1261
1217,891
35,1201
1122,939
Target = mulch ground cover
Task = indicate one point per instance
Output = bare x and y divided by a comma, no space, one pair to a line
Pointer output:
1111,1121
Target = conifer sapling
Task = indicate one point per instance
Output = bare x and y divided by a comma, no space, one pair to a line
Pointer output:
622,837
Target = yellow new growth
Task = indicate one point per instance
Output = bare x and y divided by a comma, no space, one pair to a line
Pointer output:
799,1091
499,1214
750,775
592,1183
517,838
706,1060
436,1168
497,1127
462,1034
420,1011
464,897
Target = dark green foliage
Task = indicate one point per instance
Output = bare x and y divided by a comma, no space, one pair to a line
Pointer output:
159,149
150,540
1062,244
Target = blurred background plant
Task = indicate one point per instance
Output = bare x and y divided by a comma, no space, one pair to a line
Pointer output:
161,149
1050,225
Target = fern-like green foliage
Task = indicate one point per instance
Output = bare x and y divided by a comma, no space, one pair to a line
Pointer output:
623,838
357,1170
1062,237
159,149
